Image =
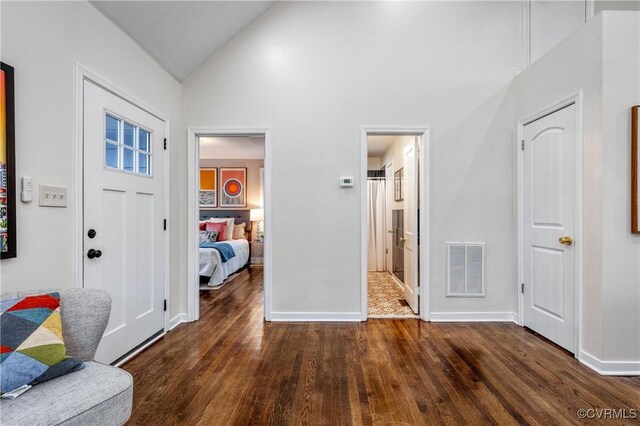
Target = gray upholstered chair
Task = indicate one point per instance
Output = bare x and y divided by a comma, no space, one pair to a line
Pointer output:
96,395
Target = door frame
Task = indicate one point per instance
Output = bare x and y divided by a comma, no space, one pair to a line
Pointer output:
80,74
424,218
576,99
193,217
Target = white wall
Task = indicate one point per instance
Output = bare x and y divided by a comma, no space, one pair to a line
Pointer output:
317,72
42,40
600,60
373,163
551,21
620,248
600,5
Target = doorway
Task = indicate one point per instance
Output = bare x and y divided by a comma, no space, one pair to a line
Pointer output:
229,195
550,225
122,220
394,266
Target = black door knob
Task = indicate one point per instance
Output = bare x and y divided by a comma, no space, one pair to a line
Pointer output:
92,253
91,233
98,253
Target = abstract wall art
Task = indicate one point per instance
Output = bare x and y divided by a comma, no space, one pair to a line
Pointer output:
233,191
7,164
208,188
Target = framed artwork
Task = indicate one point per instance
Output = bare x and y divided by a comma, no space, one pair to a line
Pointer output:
398,177
635,169
208,187
7,164
233,187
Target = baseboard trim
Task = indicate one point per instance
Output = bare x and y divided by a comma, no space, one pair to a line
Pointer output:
177,320
610,368
316,316
473,317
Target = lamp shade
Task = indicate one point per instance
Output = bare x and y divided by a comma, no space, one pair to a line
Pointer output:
256,215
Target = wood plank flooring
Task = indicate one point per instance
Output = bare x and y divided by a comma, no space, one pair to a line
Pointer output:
232,368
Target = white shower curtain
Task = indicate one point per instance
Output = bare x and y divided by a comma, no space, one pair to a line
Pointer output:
376,199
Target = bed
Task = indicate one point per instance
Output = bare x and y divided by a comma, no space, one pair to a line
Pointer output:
213,271
212,266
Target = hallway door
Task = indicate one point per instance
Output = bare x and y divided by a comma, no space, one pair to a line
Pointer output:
410,190
549,226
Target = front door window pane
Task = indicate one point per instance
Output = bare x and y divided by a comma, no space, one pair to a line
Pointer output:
111,155
129,135
111,128
127,147
128,160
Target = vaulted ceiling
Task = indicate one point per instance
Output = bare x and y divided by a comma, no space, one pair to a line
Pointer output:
182,35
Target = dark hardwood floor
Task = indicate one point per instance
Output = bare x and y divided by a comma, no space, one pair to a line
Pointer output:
232,368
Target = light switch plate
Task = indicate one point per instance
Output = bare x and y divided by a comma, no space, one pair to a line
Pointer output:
52,196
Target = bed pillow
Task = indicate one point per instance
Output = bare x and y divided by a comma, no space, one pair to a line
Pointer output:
208,236
229,221
203,225
32,348
220,228
239,231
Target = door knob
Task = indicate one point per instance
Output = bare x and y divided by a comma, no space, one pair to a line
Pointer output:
403,239
567,241
93,253
390,231
91,233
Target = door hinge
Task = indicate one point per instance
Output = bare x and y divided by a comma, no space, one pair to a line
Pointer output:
165,144
521,145
418,291
165,224
522,288
165,304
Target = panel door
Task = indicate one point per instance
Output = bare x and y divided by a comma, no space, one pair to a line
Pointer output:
549,226
410,282
388,217
124,217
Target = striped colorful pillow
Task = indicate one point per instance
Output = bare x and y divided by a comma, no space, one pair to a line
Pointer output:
32,348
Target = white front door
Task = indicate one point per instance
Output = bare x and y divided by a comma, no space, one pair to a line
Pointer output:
124,217
549,226
410,191
388,217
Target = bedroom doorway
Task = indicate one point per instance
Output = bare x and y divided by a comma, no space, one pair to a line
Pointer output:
228,214
394,264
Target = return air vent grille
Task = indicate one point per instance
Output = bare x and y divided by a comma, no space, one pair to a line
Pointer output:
465,269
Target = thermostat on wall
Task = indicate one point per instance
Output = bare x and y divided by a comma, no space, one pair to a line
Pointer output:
346,182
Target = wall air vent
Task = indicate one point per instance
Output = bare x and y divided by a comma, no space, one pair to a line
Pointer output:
465,269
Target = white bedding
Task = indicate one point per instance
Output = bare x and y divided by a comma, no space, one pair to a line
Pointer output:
211,264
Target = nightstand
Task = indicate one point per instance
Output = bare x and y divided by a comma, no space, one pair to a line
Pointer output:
256,253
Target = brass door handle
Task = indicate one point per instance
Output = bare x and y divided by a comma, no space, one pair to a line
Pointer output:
390,231
567,241
402,239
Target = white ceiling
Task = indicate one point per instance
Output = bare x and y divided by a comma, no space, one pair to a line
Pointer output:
182,35
232,148
378,144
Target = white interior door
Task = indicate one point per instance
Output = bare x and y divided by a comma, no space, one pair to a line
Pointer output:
124,217
549,226
410,191
389,225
